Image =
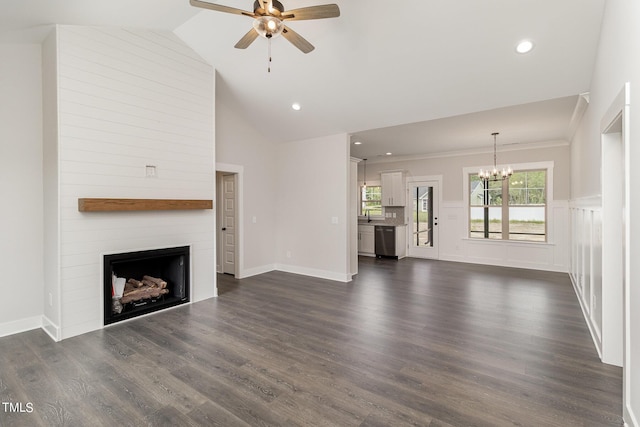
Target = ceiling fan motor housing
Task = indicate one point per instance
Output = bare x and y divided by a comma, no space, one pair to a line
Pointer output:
274,3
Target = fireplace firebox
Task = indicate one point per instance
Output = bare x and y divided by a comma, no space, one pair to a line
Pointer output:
141,282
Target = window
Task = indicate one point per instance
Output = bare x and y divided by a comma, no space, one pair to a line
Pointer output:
513,209
371,200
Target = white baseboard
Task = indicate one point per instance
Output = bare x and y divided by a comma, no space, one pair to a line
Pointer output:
21,325
51,328
587,320
248,272
322,274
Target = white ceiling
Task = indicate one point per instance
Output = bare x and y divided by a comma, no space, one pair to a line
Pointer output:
379,65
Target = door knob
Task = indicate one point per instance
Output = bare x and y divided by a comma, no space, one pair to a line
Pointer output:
224,228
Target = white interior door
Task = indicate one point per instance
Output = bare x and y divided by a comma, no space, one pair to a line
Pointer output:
229,224
422,219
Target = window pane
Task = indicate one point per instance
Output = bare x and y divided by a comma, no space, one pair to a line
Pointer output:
495,223
528,188
477,222
372,209
372,193
524,194
476,189
527,223
371,200
495,196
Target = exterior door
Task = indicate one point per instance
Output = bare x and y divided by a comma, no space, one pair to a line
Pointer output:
422,219
229,224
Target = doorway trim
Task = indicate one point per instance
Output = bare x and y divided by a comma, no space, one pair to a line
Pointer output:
616,262
238,170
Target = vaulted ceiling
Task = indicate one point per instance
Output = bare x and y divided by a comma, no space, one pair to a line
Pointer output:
404,77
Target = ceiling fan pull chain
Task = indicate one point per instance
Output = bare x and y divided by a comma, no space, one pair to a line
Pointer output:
269,63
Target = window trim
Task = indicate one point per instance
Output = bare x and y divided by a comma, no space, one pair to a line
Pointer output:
547,165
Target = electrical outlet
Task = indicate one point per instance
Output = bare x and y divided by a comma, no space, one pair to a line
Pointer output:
288,254
150,171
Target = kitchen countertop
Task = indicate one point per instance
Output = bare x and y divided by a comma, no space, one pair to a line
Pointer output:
379,222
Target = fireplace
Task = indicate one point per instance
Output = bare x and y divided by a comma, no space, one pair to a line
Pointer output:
141,282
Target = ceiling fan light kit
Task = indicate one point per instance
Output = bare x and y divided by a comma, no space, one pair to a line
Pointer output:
269,18
268,26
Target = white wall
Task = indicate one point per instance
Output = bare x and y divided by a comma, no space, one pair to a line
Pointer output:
454,244
127,99
21,241
450,166
240,145
51,179
286,207
313,207
618,62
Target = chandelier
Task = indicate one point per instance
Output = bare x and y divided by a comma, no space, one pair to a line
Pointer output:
495,174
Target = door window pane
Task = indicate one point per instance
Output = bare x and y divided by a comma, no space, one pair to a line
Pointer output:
422,218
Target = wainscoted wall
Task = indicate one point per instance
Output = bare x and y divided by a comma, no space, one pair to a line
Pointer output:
123,100
586,263
549,256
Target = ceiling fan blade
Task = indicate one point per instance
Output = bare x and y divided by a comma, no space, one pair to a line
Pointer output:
247,39
221,8
313,12
297,40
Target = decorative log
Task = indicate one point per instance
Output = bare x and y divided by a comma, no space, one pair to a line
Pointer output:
159,282
149,283
135,283
143,293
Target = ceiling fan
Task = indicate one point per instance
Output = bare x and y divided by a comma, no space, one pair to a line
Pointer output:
269,17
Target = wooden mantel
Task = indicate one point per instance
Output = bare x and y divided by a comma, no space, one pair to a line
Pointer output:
114,205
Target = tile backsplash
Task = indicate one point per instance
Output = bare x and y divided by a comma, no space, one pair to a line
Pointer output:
389,219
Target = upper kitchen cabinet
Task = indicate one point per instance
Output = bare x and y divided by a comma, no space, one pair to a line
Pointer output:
393,189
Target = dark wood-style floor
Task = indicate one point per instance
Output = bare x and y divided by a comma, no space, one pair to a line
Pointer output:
409,342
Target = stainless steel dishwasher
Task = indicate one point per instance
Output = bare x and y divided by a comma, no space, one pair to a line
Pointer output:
385,240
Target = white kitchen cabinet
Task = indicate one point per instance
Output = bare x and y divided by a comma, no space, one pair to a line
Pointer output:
401,241
366,240
393,189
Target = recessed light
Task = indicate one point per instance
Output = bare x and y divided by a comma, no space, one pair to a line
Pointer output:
357,143
296,106
524,46
388,154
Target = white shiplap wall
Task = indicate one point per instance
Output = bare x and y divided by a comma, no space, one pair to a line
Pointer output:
128,99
